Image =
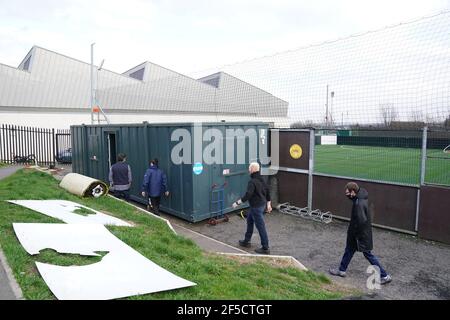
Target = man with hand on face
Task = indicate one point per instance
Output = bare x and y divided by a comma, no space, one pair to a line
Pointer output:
258,196
359,234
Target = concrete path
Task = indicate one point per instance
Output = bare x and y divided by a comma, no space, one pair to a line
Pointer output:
204,242
9,289
9,170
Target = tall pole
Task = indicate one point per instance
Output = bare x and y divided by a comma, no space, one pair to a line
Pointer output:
423,156
331,107
326,114
422,173
92,83
312,145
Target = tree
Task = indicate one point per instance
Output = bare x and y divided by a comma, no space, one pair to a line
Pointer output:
447,123
416,116
304,124
388,113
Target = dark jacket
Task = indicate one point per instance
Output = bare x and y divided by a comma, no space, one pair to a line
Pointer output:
258,192
359,234
155,182
120,176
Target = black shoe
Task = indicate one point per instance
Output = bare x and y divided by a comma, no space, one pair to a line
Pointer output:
262,250
244,243
151,210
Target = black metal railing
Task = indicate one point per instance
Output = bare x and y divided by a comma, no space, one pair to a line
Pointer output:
29,145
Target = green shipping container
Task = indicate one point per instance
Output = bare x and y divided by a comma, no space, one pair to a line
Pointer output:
195,186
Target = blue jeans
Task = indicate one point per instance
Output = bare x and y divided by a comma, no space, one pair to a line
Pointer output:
255,217
348,255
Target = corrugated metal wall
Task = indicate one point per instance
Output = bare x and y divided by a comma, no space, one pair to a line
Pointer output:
54,80
190,196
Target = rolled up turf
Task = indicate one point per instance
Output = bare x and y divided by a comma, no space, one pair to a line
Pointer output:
83,186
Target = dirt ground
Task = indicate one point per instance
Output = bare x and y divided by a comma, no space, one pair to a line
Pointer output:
420,269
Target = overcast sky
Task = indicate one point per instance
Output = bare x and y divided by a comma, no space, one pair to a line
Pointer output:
193,35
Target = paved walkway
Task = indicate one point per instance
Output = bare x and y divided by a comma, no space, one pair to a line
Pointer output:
9,289
206,243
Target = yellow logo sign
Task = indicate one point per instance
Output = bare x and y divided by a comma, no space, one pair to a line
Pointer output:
296,151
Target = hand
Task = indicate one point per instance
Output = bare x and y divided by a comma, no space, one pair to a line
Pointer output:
269,208
234,205
143,194
167,193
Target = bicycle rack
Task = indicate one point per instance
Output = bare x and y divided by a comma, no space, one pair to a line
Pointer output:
315,215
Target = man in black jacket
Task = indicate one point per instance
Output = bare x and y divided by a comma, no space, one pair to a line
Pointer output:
258,196
359,233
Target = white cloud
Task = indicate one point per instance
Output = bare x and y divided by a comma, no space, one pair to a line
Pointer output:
189,35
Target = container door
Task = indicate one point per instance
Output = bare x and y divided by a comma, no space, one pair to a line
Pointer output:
112,148
95,156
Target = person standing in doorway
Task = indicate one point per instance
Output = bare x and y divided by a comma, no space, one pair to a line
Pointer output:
258,196
154,185
359,234
120,177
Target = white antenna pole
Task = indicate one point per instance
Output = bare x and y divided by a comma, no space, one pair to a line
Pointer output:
326,112
92,83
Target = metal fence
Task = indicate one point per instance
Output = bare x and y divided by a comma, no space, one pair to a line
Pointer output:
404,173
63,146
436,169
29,145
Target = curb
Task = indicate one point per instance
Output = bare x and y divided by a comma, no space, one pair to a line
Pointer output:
211,239
12,281
145,211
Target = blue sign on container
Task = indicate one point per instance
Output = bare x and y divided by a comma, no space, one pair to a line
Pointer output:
197,168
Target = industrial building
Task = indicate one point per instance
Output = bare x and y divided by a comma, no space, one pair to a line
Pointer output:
49,89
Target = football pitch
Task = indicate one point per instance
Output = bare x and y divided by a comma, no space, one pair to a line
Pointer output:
400,165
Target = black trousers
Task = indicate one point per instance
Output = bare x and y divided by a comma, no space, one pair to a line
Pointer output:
122,194
154,204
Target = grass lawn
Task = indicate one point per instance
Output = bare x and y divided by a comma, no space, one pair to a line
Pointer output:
381,163
217,277
2,164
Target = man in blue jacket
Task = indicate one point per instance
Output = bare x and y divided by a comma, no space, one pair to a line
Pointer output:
154,185
120,177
